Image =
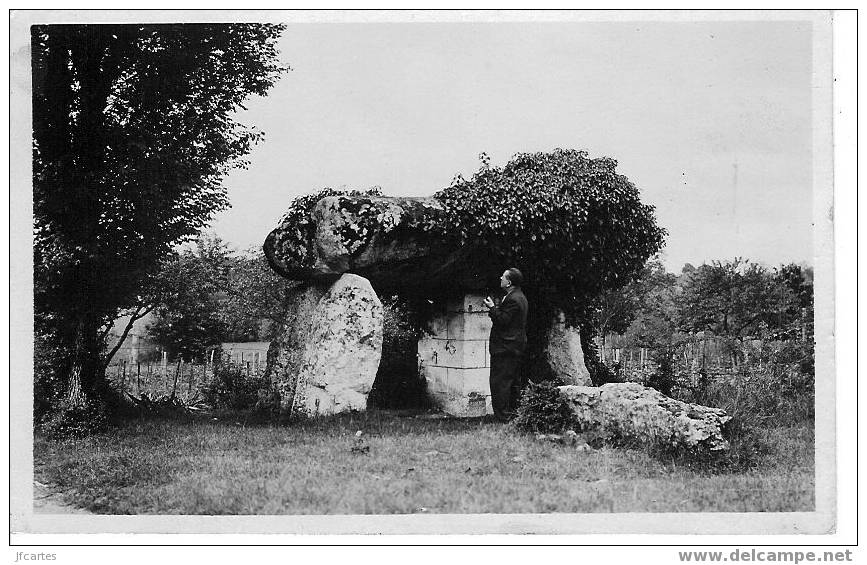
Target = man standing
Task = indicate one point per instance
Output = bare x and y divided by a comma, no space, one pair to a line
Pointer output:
507,345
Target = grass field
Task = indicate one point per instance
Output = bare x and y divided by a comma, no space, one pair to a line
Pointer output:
415,463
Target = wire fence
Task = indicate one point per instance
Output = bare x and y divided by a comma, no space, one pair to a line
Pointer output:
705,354
705,357
181,379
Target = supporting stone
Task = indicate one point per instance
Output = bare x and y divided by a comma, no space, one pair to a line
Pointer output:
565,355
325,361
287,351
454,357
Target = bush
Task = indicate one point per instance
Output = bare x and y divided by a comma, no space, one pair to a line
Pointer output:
600,373
50,364
267,407
231,388
159,406
746,451
75,420
663,378
773,387
543,410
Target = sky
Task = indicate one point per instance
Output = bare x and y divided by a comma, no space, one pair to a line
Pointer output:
710,120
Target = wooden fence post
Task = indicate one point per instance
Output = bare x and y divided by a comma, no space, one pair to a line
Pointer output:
177,374
138,377
165,368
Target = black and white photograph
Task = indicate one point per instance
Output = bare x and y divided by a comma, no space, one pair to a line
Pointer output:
423,272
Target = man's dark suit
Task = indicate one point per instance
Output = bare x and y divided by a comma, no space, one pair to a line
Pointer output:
507,346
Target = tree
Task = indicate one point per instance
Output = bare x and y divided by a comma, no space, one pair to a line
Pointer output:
254,305
187,318
133,130
648,297
654,321
733,299
208,294
798,313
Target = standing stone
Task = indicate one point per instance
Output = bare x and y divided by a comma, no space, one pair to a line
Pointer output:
454,358
325,361
287,351
564,354
343,351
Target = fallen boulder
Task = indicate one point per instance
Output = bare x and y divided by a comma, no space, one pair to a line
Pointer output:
325,360
633,411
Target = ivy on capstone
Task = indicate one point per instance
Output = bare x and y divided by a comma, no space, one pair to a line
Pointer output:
570,223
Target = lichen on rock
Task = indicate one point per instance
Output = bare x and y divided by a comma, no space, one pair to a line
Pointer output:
325,360
564,354
632,411
396,243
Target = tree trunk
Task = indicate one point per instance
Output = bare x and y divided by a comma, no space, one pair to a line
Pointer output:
74,393
86,377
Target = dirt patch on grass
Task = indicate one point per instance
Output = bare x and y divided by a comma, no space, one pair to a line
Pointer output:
46,501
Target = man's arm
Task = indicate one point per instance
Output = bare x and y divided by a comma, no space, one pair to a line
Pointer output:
503,314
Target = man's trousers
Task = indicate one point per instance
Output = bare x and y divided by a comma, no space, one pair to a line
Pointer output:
505,384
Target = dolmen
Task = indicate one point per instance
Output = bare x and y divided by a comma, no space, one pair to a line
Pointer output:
349,249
